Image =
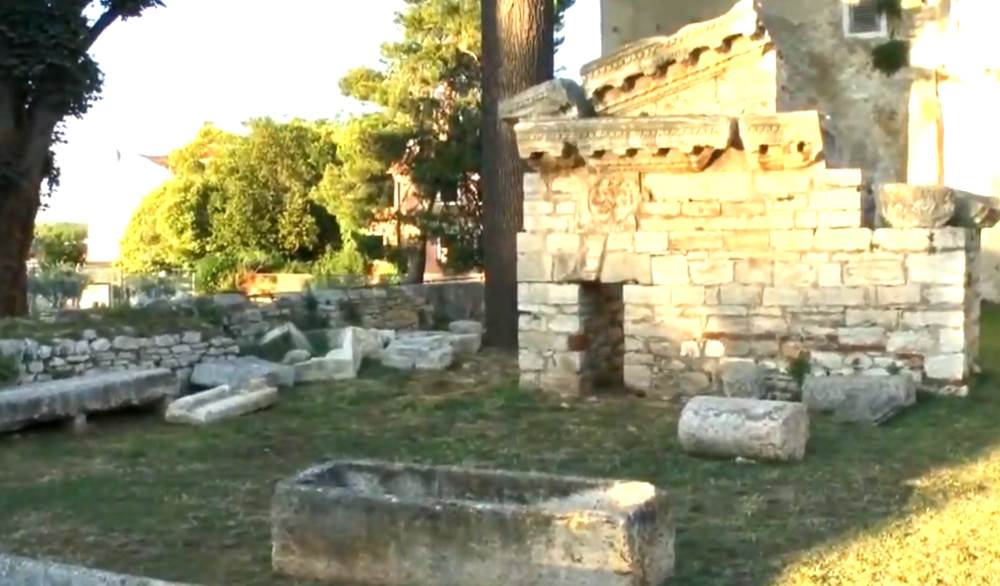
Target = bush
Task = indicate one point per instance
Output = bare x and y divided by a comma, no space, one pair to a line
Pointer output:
153,287
60,244
9,370
57,284
217,273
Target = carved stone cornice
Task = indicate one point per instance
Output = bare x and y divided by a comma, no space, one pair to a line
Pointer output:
596,137
557,98
698,46
788,140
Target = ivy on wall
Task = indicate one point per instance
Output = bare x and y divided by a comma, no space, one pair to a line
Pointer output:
894,54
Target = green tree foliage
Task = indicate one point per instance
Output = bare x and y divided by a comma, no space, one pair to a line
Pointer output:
46,74
60,243
247,196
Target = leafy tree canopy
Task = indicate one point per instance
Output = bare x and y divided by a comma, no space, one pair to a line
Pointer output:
250,195
61,243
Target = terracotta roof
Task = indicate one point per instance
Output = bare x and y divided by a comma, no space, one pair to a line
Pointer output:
161,160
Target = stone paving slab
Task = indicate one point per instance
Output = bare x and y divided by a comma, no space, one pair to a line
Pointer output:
74,398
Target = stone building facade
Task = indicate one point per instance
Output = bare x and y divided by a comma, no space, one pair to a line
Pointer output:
669,196
921,124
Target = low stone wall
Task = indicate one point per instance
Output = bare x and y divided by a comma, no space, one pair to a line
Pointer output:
20,571
65,357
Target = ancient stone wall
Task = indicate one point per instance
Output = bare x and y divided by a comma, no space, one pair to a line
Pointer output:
756,252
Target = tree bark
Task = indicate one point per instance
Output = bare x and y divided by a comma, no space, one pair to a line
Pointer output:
416,260
518,53
18,208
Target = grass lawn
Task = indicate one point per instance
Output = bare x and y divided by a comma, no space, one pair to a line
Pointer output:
914,502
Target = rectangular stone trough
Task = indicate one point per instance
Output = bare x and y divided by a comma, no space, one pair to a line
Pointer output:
74,398
399,524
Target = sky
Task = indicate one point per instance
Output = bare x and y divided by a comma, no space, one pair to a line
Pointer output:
225,61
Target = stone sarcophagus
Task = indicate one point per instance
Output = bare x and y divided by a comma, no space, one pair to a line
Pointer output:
408,525
659,244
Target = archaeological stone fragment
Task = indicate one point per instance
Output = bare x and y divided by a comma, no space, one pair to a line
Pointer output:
749,428
221,403
240,370
860,398
410,525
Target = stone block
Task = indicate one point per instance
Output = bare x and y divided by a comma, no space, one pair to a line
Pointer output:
754,271
701,208
922,319
829,274
514,526
745,241
530,242
670,270
861,336
733,294
783,296
222,403
548,293
860,398
295,356
534,267
645,294
902,295
792,240
953,295
944,367
846,296
689,240
711,272
945,268
743,379
845,239
902,239
626,267
652,242
874,271
239,371
950,238
750,428
839,219
423,352
910,342
20,571
872,317
68,398
638,377
794,274
683,295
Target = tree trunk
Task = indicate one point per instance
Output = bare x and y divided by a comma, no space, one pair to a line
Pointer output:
517,54
416,260
18,208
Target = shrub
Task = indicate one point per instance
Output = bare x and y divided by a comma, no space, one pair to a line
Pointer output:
9,370
57,284
153,286
217,273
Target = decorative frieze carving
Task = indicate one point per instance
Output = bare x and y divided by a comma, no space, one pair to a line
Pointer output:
697,52
612,203
557,98
788,140
694,138
916,206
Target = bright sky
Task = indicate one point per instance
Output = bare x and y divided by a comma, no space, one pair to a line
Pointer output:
225,61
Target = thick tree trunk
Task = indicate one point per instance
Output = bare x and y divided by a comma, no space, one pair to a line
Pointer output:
517,54
18,208
416,260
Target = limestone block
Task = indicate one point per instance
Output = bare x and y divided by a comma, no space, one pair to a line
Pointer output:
646,295
530,360
836,199
792,240
952,340
222,403
530,242
238,371
902,240
740,294
945,268
794,274
951,238
639,377
466,327
688,240
945,295
681,295
670,270
65,399
847,296
744,241
902,295
884,394
861,336
874,271
325,369
548,293
287,331
743,379
920,319
783,296
946,367
626,267
872,317
844,239
296,356
750,428
754,271
20,571
916,206
534,267
839,219
420,352
712,272
652,242
528,528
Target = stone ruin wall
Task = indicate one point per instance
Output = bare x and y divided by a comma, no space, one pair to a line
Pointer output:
737,261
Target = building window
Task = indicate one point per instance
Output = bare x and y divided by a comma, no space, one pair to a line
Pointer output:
864,19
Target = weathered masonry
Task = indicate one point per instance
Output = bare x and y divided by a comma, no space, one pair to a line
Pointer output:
659,244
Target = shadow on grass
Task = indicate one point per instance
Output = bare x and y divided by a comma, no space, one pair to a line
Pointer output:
192,504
